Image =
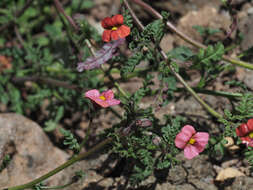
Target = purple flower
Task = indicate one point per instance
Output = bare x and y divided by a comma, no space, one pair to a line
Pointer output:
101,56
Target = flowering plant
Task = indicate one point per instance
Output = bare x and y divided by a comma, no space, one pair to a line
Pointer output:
191,141
105,99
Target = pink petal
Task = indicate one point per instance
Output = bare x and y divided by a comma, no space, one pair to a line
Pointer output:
108,94
100,102
201,138
181,140
113,102
190,151
92,93
188,130
184,136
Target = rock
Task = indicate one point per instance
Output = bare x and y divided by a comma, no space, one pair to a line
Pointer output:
245,25
209,18
229,163
168,186
228,173
183,7
32,153
230,142
167,42
199,184
241,183
199,166
246,76
177,175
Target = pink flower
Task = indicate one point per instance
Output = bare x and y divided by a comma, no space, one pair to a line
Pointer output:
105,99
193,143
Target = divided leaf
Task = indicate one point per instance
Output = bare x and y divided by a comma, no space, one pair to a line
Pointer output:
211,53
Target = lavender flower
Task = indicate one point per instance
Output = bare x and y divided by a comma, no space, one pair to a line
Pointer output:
101,56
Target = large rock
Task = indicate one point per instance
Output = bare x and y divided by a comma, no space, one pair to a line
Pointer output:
32,153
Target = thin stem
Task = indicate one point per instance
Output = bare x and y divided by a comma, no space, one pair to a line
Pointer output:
215,93
88,131
19,37
189,89
61,10
58,187
121,90
187,38
61,167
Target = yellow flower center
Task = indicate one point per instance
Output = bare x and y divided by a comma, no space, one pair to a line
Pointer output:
192,141
251,135
102,97
114,28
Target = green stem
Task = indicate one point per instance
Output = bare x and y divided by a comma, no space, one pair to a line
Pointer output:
121,90
58,187
61,167
216,93
87,133
187,38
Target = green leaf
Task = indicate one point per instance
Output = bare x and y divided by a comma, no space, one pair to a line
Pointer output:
131,63
154,31
50,126
182,53
211,53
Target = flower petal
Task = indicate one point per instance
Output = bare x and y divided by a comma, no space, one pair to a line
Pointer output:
108,94
190,152
92,93
250,124
247,140
188,130
101,102
114,35
123,31
113,102
181,140
106,37
117,20
107,23
201,140
242,130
